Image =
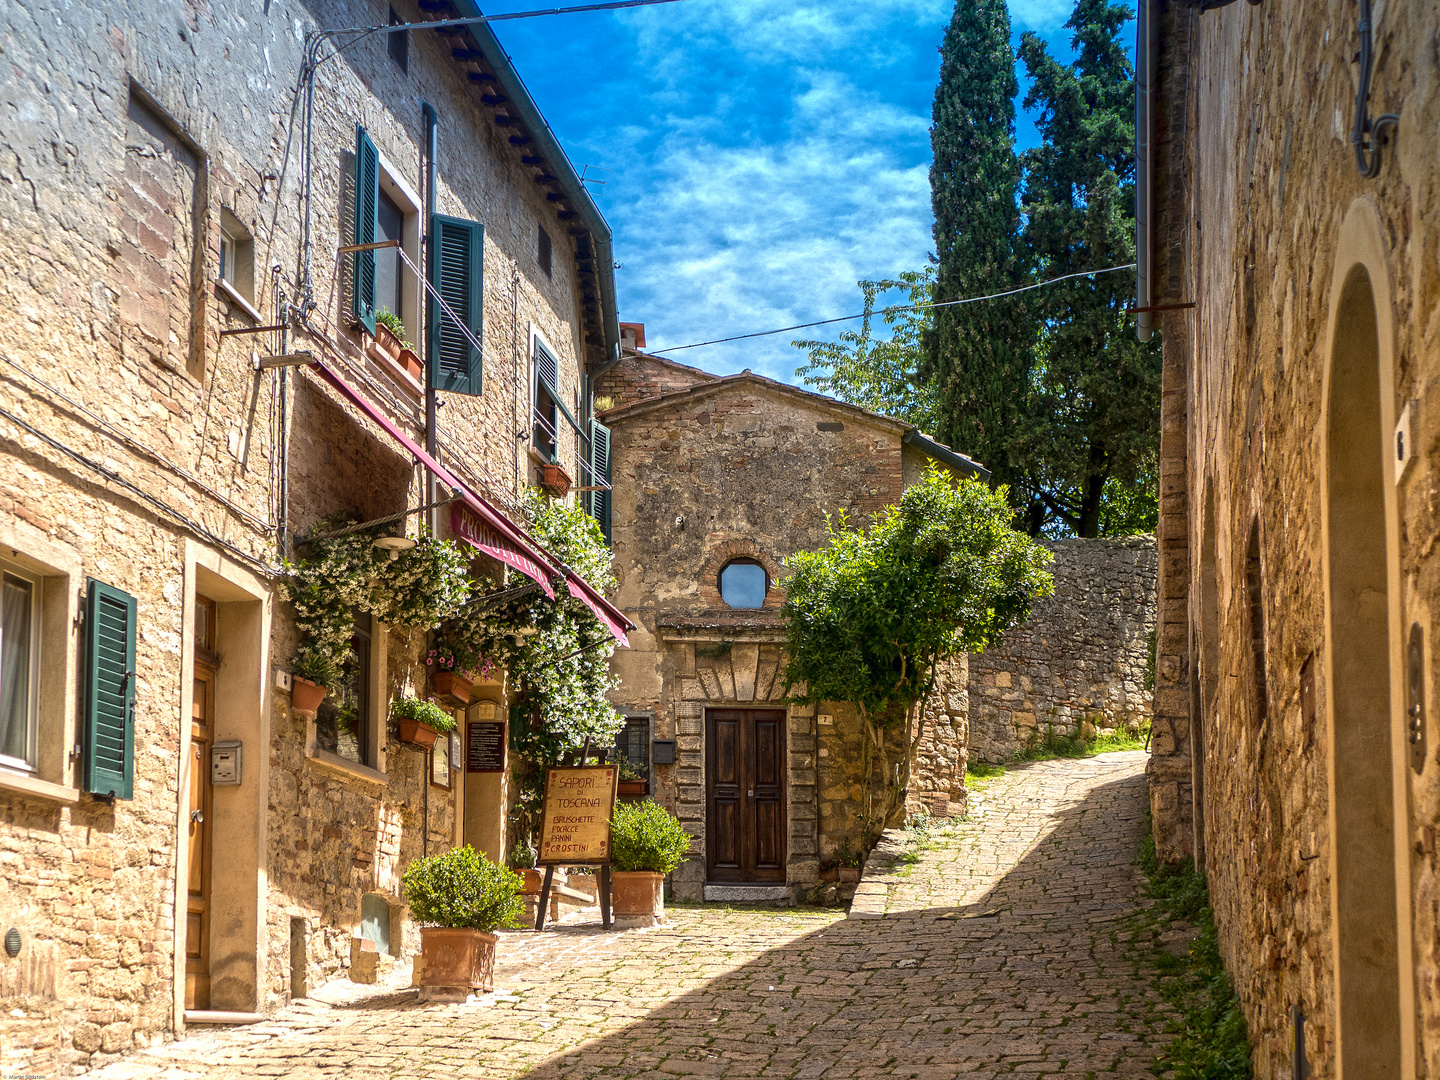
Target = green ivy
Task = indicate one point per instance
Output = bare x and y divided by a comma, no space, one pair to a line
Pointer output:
646,836
462,889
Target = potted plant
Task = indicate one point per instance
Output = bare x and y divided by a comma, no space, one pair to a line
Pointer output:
848,863
458,898
632,779
421,722
522,861
310,676
646,843
555,480
452,667
829,870
389,333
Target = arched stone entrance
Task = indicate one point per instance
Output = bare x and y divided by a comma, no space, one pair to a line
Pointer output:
1358,572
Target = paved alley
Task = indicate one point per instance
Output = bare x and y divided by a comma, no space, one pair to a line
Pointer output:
997,949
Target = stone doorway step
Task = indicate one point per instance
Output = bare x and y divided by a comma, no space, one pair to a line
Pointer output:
747,894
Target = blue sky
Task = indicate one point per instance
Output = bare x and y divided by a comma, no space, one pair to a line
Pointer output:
762,155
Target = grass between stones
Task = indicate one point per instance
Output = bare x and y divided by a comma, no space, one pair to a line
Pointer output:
1210,1037
1051,746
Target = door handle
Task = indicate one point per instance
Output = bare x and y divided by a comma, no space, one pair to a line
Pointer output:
197,816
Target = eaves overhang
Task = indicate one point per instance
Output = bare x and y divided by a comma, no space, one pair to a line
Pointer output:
576,209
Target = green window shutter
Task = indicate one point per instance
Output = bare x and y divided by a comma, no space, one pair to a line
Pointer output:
109,691
457,261
600,474
367,225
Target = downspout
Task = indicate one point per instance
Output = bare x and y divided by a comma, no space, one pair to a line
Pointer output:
1146,51
431,396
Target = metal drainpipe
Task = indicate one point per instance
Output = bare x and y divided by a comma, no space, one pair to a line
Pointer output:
283,511
431,399
1146,50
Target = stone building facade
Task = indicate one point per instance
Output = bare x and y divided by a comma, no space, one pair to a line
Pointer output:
226,851
1079,663
1293,248
713,473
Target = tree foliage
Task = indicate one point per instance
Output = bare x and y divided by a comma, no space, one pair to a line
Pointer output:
869,617
881,374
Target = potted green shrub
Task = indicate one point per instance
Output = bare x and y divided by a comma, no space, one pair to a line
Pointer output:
522,861
646,843
421,722
310,676
632,779
459,899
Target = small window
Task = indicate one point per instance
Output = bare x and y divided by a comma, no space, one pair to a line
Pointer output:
399,43
342,723
237,256
389,268
19,667
632,745
743,584
544,254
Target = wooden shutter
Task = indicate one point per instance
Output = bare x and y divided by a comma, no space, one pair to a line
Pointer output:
367,225
457,258
600,474
109,691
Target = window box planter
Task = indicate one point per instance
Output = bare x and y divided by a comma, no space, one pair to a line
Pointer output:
412,731
555,480
388,343
455,962
634,787
306,696
637,897
830,874
411,363
849,874
451,685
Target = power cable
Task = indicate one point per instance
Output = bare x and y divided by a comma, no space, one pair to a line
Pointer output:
896,308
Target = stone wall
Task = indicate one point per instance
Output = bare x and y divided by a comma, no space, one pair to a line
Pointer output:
123,153
1078,664
639,376
1299,551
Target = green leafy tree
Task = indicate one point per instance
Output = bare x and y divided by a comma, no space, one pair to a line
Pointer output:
869,617
977,356
1091,424
881,374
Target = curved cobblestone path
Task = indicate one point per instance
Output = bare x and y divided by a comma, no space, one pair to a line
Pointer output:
999,950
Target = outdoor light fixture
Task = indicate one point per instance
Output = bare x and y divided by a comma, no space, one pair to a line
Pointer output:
394,545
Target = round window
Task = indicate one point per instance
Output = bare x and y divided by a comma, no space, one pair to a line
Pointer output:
743,584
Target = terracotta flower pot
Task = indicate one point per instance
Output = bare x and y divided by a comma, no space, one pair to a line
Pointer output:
833,874
534,882
555,479
458,960
412,731
637,897
452,685
850,874
411,363
634,787
306,696
391,345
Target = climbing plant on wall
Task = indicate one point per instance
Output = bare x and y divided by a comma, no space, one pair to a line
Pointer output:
869,617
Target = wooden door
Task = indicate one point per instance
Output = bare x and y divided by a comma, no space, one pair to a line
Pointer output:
197,916
745,795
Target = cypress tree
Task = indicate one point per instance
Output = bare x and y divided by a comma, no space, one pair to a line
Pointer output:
976,355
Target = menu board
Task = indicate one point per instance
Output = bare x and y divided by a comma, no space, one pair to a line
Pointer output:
485,746
576,825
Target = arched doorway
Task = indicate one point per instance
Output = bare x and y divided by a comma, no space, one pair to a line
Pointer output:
1361,779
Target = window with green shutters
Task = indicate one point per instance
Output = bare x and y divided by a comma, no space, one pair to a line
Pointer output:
457,257
109,691
598,500
367,226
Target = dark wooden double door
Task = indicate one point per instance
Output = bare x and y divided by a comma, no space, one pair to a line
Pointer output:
745,795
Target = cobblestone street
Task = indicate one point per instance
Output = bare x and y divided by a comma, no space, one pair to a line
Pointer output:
998,950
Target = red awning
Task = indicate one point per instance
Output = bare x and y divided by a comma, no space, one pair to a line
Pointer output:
484,526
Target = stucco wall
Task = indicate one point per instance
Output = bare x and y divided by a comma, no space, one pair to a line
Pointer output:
1079,659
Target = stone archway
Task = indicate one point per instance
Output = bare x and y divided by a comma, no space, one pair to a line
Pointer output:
1359,583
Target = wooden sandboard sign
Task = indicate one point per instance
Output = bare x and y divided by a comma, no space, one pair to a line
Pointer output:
575,828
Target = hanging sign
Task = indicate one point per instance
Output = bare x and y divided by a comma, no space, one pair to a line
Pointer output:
575,828
485,746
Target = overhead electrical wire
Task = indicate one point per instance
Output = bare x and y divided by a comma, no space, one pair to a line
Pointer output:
895,308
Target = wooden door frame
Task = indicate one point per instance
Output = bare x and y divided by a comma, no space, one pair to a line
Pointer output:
747,806
195,971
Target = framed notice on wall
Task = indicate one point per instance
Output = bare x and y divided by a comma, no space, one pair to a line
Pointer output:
575,828
485,746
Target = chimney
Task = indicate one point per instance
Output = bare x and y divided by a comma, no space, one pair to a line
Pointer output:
632,336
